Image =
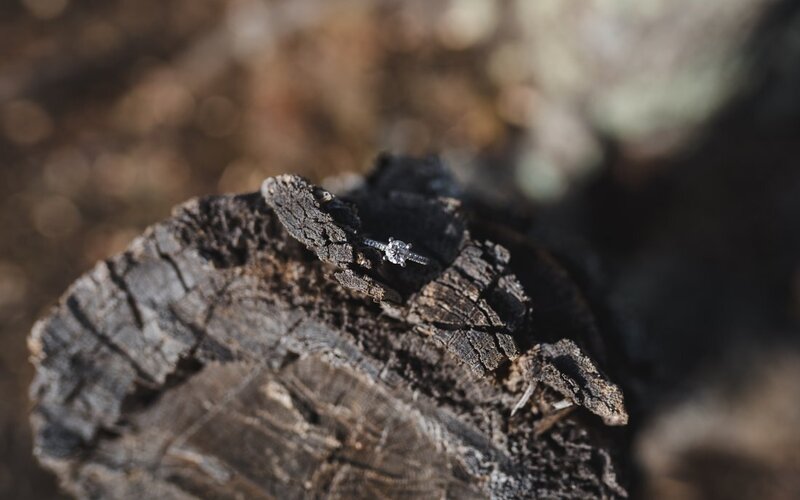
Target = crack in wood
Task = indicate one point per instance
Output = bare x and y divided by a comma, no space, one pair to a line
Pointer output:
77,312
119,280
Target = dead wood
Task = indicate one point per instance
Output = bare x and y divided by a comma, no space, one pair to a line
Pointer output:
253,347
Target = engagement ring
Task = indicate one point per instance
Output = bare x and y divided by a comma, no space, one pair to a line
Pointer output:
397,252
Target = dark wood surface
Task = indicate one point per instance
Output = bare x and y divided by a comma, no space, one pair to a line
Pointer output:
253,347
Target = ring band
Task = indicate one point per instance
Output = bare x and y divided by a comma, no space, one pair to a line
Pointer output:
397,252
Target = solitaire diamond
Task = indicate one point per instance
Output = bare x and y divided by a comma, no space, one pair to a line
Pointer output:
397,252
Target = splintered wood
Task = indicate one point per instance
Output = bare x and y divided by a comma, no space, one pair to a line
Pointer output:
253,346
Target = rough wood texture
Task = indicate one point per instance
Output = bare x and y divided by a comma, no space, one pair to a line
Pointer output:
251,346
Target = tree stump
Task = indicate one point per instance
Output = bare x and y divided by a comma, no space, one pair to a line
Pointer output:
253,346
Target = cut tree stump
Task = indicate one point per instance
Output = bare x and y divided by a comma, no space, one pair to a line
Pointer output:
253,347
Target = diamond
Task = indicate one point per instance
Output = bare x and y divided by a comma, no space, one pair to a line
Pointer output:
397,252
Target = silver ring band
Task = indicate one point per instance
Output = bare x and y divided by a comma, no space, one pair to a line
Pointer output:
397,252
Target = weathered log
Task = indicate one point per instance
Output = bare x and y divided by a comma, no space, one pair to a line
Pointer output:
253,347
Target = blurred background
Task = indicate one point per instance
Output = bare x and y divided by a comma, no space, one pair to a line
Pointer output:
659,138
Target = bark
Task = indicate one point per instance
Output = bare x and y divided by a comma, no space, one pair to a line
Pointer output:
253,347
